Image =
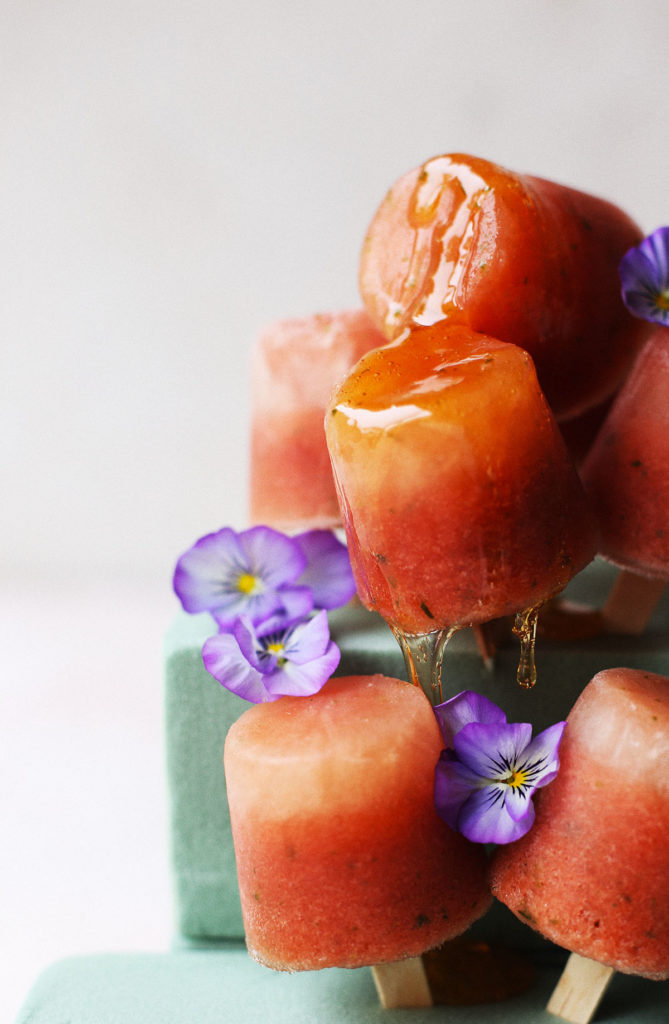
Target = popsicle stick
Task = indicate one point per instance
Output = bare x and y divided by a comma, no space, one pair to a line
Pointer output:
579,991
402,983
485,642
631,602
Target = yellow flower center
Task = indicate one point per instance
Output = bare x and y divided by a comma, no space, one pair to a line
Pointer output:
275,648
516,779
662,300
247,583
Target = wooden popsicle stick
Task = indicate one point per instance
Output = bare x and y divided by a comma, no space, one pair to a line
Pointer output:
486,644
580,989
402,983
631,602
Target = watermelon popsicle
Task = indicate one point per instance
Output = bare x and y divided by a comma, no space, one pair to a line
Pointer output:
296,363
459,501
342,859
463,240
593,873
626,476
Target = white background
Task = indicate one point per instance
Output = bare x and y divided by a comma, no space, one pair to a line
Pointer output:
172,177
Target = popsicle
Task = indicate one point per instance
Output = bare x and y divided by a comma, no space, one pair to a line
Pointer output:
342,859
593,873
296,363
459,501
520,258
626,475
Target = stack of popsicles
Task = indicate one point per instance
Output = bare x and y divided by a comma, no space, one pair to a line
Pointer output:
493,316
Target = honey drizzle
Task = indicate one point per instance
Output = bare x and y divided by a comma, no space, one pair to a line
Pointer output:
423,657
525,628
442,204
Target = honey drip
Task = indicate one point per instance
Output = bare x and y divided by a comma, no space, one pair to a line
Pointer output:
423,657
525,628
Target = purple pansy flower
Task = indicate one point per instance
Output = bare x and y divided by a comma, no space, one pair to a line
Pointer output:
487,776
644,277
263,574
263,663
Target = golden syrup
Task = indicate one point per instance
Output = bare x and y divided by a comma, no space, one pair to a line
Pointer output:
423,657
525,629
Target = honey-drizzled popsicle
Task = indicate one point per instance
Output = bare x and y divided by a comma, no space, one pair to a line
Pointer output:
531,262
459,501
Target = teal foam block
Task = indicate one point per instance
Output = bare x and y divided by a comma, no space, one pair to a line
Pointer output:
199,712
227,987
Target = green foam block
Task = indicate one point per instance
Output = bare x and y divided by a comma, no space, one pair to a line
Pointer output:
199,712
227,987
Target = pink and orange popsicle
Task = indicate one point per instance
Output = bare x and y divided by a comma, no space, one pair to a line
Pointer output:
593,873
342,859
626,473
296,363
526,260
459,500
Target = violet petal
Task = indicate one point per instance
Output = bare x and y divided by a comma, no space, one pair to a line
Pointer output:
225,662
452,787
644,278
518,800
258,607
201,573
484,818
289,604
307,640
328,570
540,758
464,708
305,679
275,558
490,750
252,648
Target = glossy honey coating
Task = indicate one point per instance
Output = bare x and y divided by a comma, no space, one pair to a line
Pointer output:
517,257
458,499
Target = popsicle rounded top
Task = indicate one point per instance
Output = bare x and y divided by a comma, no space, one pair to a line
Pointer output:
296,363
626,473
295,735
520,258
458,499
593,873
341,856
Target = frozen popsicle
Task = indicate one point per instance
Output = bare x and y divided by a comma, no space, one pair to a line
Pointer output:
517,257
296,363
459,501
593,873
626,473
341,856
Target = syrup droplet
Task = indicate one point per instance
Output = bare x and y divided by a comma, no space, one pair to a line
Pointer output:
525,628
423,657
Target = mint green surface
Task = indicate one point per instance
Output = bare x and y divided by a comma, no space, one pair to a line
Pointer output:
199,712
227,987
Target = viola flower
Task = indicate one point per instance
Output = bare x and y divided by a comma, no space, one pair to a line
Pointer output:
263,663
485,781
644,277
252,573
328,571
